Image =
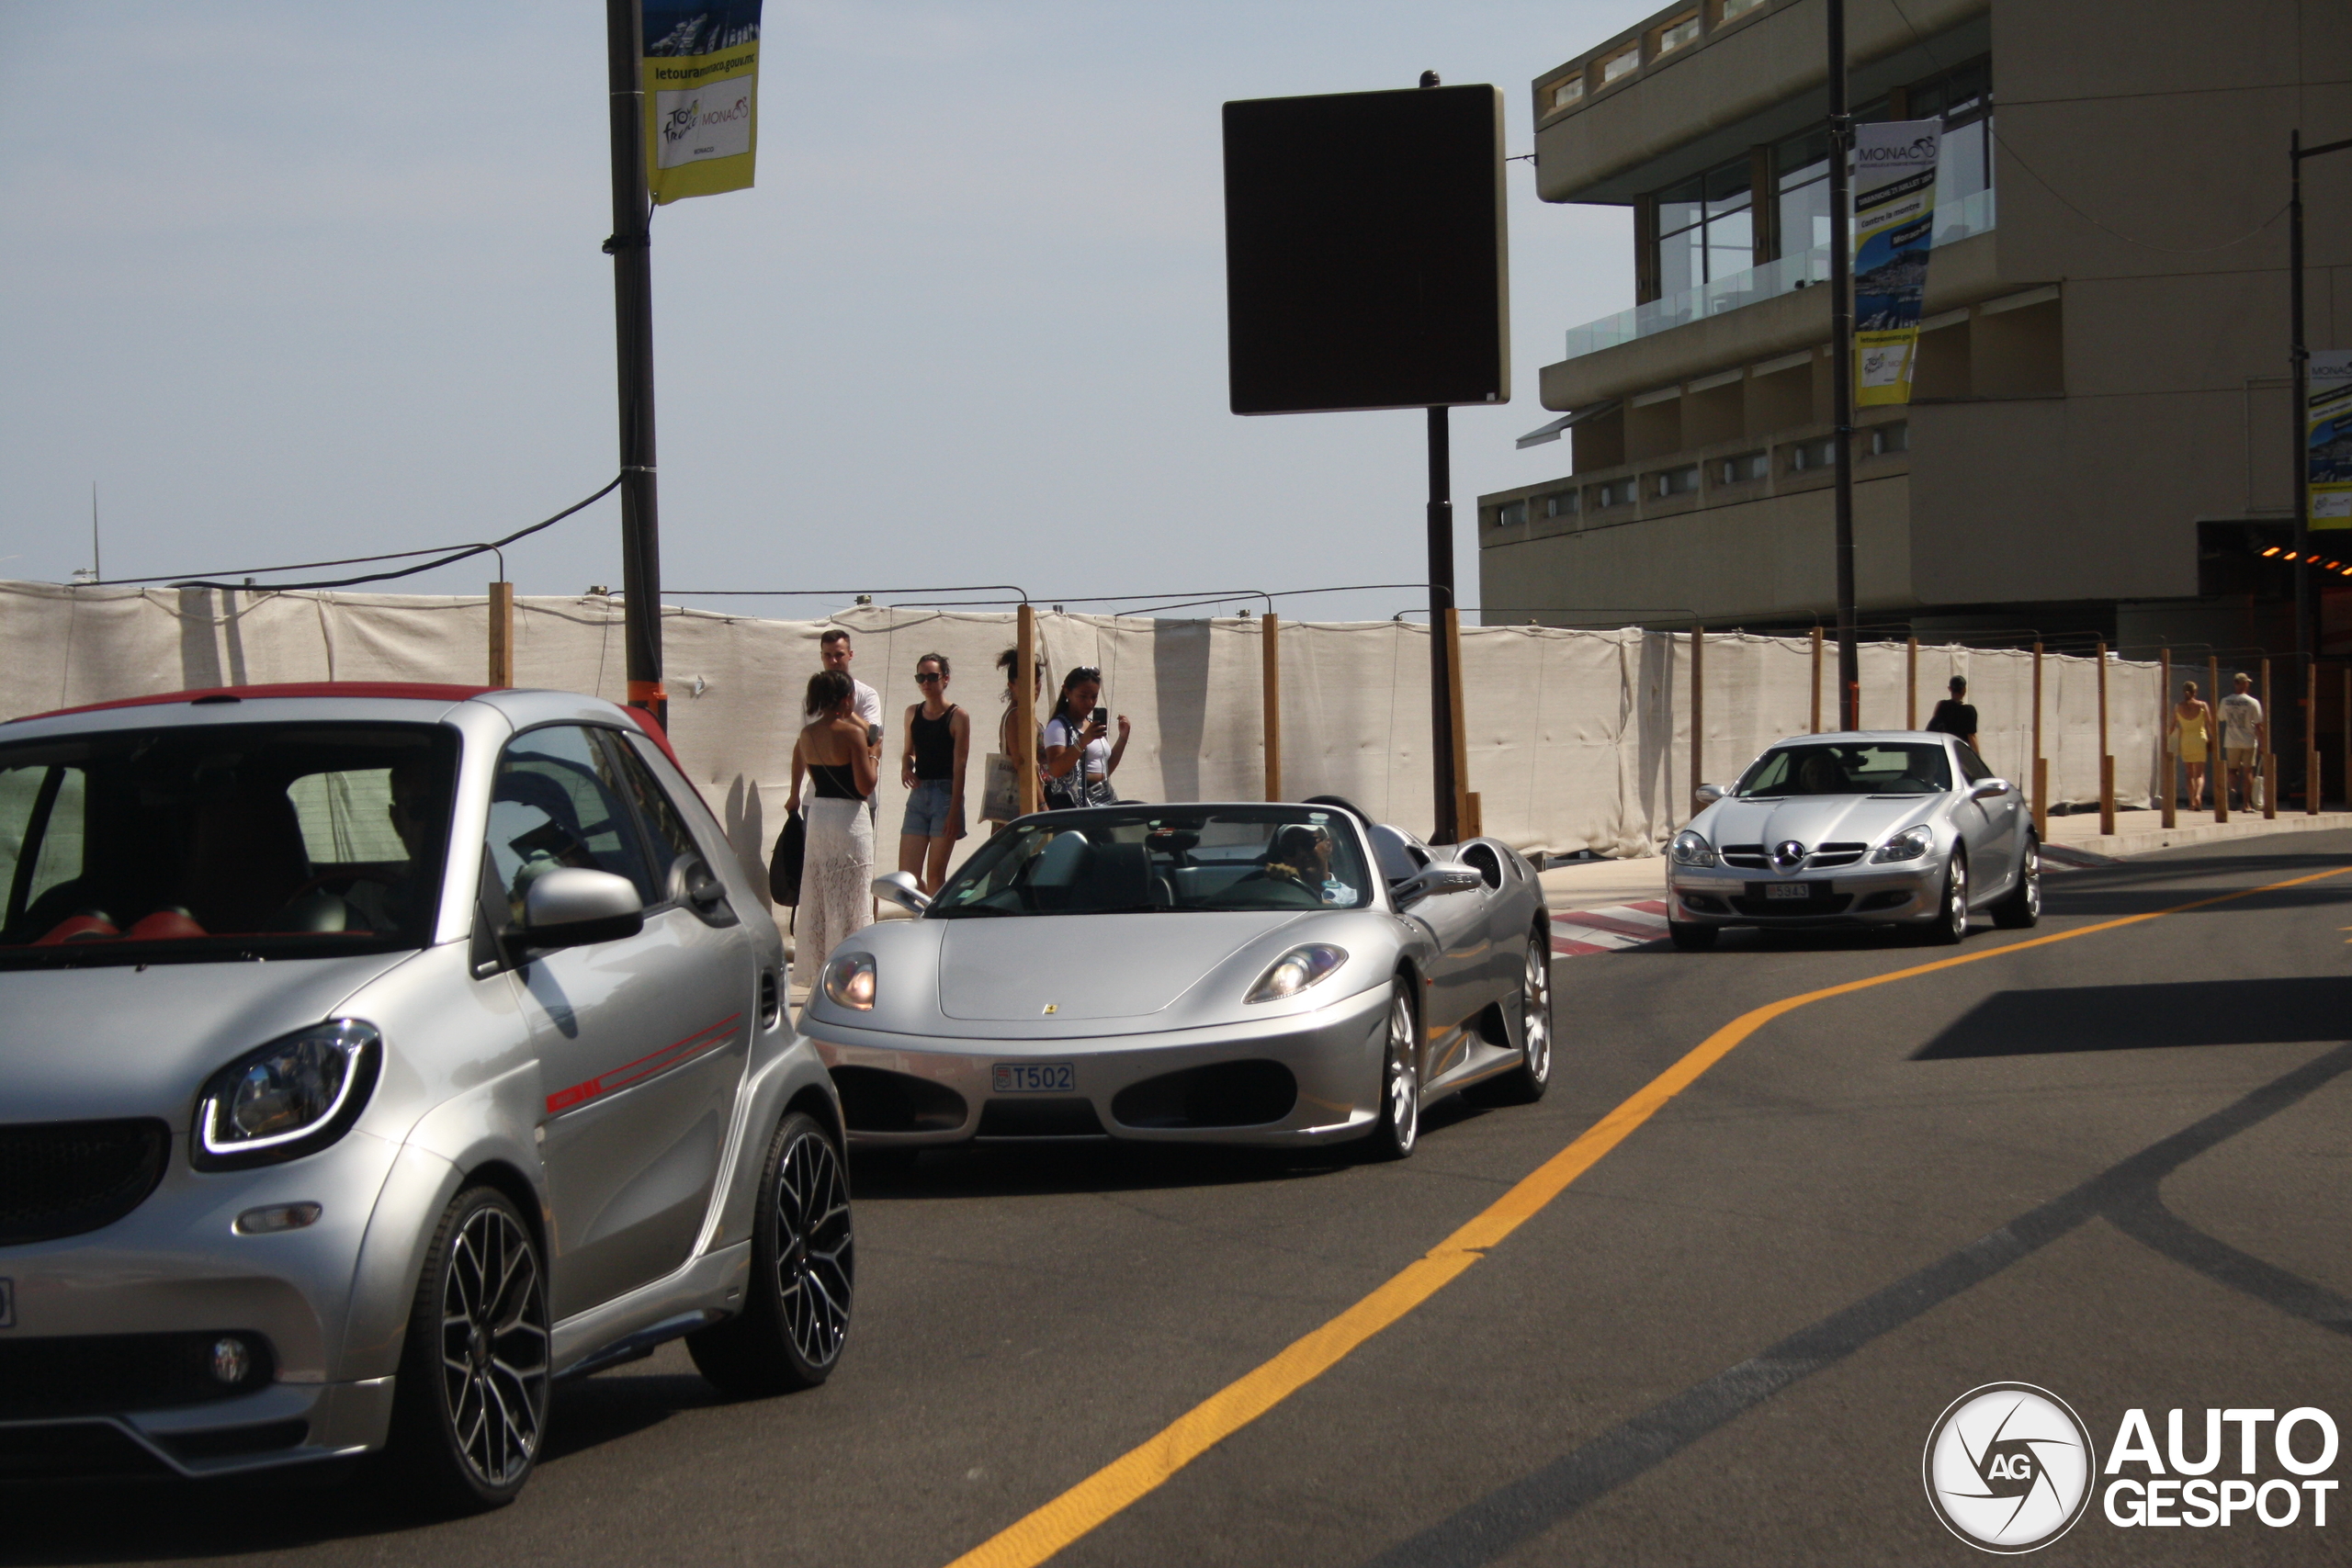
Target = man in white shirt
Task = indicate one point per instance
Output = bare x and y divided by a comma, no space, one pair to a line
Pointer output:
833,650
2243,735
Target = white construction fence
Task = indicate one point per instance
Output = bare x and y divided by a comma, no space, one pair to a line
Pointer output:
1577,739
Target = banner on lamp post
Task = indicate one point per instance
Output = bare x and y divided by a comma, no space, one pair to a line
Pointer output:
701,66
2327,437
1894,222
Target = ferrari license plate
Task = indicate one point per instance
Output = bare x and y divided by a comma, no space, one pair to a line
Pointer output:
1799,891
1035,1077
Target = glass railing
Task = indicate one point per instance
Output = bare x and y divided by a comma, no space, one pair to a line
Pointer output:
1954,221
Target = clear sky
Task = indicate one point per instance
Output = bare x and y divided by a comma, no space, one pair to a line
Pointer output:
294,280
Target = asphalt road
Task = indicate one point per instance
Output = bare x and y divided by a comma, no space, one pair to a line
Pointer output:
2114,1166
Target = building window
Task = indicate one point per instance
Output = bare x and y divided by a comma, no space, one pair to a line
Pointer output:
1510,514
1568,91
1562,504
1683,29
1706,229
1745,469
1808,456
1620,66
1964,97
1886,439
1677,482
1737,8
1616,492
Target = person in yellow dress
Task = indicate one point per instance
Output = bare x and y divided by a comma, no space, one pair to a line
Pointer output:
2192,730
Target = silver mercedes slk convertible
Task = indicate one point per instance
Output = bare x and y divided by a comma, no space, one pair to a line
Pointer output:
371,1057
1252,973
1877,828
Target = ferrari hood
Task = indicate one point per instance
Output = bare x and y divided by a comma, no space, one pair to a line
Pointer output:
1813,820
1087,966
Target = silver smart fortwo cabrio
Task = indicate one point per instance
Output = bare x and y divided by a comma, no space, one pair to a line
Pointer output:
1280,975
371,1057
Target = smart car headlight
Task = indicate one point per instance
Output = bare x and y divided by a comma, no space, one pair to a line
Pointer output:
1296,970
1909,844
292,1098
849,980
1690,849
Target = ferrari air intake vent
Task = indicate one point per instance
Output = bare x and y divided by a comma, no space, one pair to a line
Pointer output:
63,1177
1226,1094
1039,1119
876,1100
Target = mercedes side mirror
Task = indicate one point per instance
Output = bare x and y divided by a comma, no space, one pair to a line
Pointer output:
899,887
572,907
1985,789
1435,879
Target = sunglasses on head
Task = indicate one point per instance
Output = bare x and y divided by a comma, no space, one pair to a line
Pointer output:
1085,672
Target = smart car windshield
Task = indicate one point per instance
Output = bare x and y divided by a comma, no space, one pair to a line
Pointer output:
1145,860
1873,767
222,843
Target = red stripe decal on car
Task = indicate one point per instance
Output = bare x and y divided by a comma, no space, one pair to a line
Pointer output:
677,1055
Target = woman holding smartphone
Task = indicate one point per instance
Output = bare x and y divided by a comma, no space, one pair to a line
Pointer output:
836,754
1079,759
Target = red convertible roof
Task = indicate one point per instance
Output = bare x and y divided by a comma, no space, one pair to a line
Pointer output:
418,690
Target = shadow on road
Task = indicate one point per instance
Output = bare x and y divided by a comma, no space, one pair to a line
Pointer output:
2139,1018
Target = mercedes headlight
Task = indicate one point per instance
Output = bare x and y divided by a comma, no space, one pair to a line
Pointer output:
292,1098
1909,844
849,980
1690,849
1296,970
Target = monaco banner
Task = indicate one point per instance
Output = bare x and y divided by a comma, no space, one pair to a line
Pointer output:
2327,437
1895,220
702,75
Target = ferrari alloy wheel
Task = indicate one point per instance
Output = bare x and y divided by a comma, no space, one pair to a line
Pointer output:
804,1269
2021,906
471,1408
1400,1078
1951,919
1525,1083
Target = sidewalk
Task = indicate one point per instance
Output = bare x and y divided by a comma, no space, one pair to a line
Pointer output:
2139,832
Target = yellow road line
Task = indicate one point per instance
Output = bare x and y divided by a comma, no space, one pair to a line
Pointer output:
1039,1535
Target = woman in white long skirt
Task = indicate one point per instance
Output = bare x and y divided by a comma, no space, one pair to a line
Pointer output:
837,869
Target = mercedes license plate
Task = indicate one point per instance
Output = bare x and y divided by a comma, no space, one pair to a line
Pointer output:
1035,1077
1801,891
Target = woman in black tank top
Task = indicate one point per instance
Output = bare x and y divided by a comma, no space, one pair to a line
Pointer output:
939,741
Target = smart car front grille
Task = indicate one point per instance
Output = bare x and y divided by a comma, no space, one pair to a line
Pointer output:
60,1179
114,1374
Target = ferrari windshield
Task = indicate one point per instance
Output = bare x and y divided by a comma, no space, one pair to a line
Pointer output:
1141,860
221,842
1868,767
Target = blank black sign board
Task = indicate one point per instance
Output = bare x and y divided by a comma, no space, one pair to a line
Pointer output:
1364,255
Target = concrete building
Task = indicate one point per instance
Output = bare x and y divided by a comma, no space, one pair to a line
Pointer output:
2099,441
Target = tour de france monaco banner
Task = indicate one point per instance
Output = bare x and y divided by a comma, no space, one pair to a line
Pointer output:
702,80
2327,437
1895,220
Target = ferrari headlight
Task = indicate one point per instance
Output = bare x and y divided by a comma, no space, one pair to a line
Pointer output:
292,1098
1690,849
849,980
1296,970
1909,844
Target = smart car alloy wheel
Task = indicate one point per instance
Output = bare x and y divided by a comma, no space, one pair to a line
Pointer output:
804,1272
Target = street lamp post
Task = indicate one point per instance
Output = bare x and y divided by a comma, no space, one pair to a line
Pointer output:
2299,371
1841,361
631,248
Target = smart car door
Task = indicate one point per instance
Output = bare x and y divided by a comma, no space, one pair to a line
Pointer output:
641,1041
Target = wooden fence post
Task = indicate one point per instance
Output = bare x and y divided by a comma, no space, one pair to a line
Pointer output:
1025,707
2216,769
1817,680
502,634
2037,773
2164,739
1465,804
2267,760
1698,713
1911,684
2106,758
1270,652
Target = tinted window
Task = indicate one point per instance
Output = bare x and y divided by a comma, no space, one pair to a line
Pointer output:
560,800
1971,766
1850,768
665,830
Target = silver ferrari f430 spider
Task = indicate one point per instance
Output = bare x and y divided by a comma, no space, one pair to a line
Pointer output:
1250,974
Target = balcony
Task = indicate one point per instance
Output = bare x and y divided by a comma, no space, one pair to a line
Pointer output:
1955,221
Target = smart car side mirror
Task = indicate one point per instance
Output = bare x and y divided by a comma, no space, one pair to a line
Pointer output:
1435,879
1707,795
1985,789
899,887
573,906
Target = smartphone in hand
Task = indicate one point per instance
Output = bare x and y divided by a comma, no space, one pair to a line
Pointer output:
874,735
1102,718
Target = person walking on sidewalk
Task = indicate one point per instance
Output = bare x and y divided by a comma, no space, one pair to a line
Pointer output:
931,766
2192,737
1956,716
2245,732
837,869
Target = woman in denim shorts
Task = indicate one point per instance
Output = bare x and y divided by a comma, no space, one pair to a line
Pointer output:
939,741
